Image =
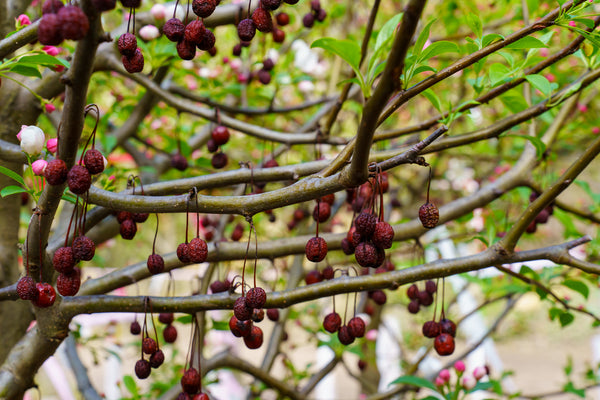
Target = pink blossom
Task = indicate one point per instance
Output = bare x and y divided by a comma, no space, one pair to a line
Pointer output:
49,107
59,68
52,145
550,77
582,107
371,335
595,130
444,375
572,23
459,366
51,50
468,383
479,372
158,11
439,381
39,166
544,52
23,20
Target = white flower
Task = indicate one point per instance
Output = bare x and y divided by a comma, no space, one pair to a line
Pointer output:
149,32
158,11
32,139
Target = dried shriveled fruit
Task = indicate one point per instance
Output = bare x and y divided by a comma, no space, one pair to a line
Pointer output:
240,310
155,264
429,215
142,369
74,22
316,249
68,284
263,20
127,44
255,339
246,29
174,29
56,172
190,381
345,336
93,161
198,250
170,334
63,259
256,297
332,322
84,248
26,288
204,8
134,63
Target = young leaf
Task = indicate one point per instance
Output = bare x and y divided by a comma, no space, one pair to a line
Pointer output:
474,22
540,147
42,59
387,32
527,42
423,36
433,98
129,383
565,319
12,174
437,48
347,49
498,73
415,381
8,190
540,83
491,38
26,70
578,286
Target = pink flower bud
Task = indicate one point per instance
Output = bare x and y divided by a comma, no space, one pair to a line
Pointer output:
582,107
52,145
595,130
39,166
444,375
23,20
468,383
479,373
371,335
572,23
439,381
306,86
49,107
158,11
51,50
149,32
459,366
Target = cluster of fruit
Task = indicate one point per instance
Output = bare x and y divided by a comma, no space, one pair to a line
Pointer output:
150,347
41,294
420,298
317,13
191,383
316,247
248,309
218,137
60,22
128,223
355,328
542,217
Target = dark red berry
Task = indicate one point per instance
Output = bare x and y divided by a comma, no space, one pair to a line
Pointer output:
220,135
383,236
328,198
431,329
328,272
278,35
219,160
204,8
270,4
170,334
263,20
332,322
201,396
444,344
246,29
174,29
123,215
240,310
26,288
149,345
157,358
198,250
51,6
256,297
282,19
313,276
128,229
166,318
104,5
194,31
255,339
414,306
366,255
56,171
46,295
273,314
127,44
347,247
258,314
378,296
79,179
237,50
316,249
365,224
63,259
134,63
345,336
308,20
93,161
362,365
220,286
84,248
139,217
183,396
430,287
135,328
357,327
207,41
321,15
413,292
74,22
268,65
183,252
429,215
315,5
264,77
425,298
542,217
322,211
155,264
68,284
448,326
142,369
240,328
50,30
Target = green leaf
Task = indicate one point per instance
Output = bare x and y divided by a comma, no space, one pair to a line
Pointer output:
498,73
26,70
514,101
578,286
415,381
387,31
437,48
527,42
565,318
491,38
481,386
589,23
554,312
525,270
220,325
474,22
540,83
12,174
8,190
423,36
130,385
423,68
540,147
570,388
433,98
43,59
347,49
